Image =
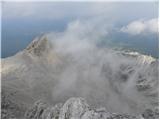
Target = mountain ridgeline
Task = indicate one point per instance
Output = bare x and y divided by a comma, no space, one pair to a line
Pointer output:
50,70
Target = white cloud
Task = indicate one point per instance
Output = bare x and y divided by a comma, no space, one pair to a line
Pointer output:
141,27
80,35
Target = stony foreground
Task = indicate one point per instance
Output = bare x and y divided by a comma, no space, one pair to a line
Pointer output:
77,108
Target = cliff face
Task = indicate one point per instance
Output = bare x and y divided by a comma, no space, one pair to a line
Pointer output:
123,82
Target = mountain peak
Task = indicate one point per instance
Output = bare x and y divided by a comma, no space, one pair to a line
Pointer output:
39,46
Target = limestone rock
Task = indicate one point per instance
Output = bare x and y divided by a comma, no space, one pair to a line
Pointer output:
77,108
36,111
96,114
52,112
150,114
39,46
74,108
10,108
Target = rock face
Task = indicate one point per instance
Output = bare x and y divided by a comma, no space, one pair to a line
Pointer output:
39,46
10,108
41,111
37,110
77,108
53,112
74,108
151,114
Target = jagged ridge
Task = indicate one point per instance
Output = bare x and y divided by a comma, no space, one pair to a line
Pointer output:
35,75
77,108
39,46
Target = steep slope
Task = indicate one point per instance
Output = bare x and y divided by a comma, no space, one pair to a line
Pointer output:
123,82
20,73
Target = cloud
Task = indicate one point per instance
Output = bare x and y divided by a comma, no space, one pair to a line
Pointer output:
141,27
114,12
80,34
93,72
53,10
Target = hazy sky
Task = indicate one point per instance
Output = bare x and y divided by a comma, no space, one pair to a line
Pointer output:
31,18
123,11
113,13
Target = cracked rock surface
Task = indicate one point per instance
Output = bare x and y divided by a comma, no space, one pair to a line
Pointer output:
77,108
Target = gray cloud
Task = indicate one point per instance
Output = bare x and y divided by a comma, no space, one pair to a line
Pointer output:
100,75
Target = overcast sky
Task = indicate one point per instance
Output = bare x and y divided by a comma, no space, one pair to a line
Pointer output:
60,10
32,18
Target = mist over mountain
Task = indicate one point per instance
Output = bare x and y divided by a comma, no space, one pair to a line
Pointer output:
59,65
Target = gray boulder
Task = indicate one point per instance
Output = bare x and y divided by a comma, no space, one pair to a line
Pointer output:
52,112
150,114
74,108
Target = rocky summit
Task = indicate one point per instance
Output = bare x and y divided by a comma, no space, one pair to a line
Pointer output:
53,78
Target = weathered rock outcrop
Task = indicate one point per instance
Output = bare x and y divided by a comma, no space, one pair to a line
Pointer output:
39,46
74,108
77,108
37,110
151,114
10,108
